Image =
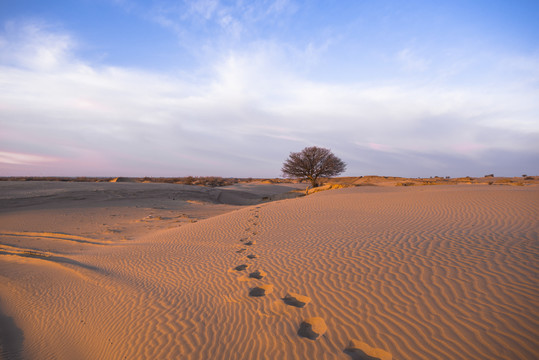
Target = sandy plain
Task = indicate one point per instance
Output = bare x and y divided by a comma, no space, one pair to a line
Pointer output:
167,271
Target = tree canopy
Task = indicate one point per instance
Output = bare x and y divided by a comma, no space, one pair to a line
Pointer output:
312,163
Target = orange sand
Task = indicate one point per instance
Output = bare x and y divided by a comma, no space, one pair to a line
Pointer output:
431,272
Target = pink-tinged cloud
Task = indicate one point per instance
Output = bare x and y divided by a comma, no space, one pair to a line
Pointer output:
380,147
13,158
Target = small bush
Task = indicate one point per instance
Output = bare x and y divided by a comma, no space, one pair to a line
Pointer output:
409,183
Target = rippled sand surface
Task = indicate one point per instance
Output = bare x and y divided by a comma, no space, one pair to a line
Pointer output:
430,272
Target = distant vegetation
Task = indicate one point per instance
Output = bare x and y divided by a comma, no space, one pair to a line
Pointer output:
211,181
435,180
215,181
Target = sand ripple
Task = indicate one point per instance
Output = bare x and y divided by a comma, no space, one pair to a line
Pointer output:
416,273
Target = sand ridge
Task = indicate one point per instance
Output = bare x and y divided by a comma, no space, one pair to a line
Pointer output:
438,272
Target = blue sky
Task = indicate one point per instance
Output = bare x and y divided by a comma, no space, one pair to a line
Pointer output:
230,88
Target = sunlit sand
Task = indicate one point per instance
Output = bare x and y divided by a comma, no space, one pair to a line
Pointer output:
166,271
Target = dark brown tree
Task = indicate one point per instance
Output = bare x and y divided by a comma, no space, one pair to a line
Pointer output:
312,163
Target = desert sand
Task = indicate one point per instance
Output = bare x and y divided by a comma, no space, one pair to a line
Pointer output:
166,271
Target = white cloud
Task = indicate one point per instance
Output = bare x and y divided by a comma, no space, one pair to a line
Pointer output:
248,105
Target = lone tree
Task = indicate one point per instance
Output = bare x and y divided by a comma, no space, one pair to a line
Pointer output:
311,163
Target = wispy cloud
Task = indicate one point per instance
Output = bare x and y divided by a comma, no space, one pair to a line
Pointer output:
220,22
412,61
23,159
34,45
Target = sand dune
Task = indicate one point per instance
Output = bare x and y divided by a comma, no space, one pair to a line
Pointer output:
441,272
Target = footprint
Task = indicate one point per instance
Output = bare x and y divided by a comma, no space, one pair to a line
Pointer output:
358,350
258,274
241,250
251,242
312,328
261,290
296,300
241,267
252,256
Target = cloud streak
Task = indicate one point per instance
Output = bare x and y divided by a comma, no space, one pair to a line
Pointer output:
22,159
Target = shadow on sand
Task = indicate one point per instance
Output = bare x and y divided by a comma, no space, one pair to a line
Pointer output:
11,339
356,354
